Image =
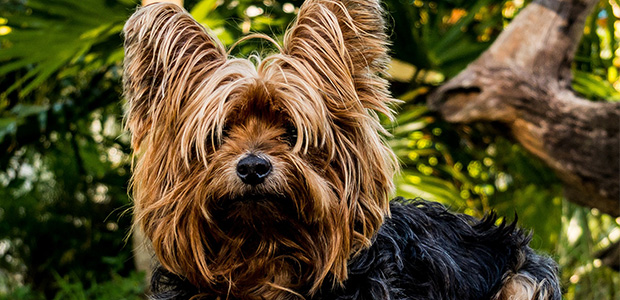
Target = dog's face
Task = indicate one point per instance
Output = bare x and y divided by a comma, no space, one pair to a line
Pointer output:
258,178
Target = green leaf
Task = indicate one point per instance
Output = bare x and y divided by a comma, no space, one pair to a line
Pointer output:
54,34
454,34
594,87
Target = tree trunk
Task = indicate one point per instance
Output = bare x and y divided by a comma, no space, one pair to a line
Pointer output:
143,255
524,81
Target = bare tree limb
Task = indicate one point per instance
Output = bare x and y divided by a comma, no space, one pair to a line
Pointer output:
524,81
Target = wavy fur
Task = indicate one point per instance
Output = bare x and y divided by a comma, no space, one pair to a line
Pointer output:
194,113
309,114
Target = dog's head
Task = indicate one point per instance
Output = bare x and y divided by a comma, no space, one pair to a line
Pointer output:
256,178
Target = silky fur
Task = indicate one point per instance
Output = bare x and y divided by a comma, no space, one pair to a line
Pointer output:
424,252
311,110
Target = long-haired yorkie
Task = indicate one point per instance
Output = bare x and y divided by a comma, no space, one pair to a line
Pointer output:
270,179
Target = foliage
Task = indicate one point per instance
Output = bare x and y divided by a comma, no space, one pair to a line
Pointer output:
119,288
65,160
71,287
65,165
597,59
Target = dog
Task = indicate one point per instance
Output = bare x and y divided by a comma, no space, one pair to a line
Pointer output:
269,178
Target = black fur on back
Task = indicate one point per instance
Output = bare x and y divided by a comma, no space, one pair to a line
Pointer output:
423,252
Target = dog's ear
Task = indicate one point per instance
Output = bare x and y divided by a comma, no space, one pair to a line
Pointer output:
340,48
166,54
345,43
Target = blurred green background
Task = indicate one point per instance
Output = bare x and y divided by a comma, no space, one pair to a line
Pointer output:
65,160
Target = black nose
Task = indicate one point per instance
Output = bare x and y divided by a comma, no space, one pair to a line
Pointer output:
253,169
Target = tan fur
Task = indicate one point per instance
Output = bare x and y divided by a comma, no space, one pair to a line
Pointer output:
194,113
518,285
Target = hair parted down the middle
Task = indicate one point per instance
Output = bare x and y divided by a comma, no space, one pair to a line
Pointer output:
193,113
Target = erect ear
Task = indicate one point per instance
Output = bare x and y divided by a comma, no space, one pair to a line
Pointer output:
167,53
344,43
339,47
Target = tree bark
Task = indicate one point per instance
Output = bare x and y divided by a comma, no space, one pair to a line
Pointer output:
144,257
524,81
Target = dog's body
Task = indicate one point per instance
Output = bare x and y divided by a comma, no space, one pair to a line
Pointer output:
272,181
424,252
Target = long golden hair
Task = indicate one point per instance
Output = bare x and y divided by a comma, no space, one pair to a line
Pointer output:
193,112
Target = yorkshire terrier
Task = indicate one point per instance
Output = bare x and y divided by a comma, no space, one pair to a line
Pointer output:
270,179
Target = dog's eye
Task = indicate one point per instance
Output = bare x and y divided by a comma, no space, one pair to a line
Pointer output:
291,134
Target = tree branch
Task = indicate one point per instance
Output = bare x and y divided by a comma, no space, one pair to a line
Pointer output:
524,81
